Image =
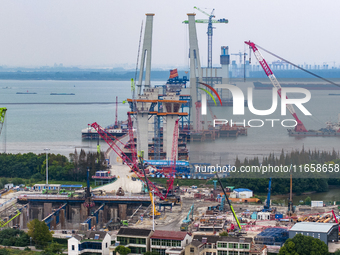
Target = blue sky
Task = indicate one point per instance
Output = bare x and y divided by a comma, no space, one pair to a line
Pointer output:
105,33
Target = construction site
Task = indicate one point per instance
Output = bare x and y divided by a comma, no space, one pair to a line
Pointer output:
160,122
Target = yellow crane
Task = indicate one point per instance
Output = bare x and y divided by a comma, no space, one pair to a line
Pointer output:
140,157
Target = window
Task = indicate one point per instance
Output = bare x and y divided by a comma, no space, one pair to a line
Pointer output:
244,253
192,249
233,245
244,246
106,245
233,252
222,253
72,247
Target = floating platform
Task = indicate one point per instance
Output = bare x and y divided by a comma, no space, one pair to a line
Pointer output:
321,133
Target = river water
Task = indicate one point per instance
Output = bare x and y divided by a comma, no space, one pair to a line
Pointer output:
38,121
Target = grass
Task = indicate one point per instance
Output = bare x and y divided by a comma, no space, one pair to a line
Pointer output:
20,252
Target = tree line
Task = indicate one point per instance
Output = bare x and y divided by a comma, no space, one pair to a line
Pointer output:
302,181
60,168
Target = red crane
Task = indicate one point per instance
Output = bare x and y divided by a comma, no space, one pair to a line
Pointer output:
335,219
299,127
132,163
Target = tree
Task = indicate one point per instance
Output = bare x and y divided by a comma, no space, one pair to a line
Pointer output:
224,233
308,201
53,248
4,252
39,232
122,250
303,245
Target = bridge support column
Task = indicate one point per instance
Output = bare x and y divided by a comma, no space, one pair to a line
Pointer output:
47,209
23,219
62,219
122,211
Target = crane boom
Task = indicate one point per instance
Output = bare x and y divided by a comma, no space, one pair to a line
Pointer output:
299,127
2,117
231,207
205,12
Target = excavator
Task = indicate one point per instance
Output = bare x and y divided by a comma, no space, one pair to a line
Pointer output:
186,222
154,210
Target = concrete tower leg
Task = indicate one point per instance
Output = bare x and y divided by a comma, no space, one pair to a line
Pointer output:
146,52
168,134
143,125
195,67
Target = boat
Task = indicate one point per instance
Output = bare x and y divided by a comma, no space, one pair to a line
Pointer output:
306,85
62,94
91,133
333,94
331,129
26,92
6,87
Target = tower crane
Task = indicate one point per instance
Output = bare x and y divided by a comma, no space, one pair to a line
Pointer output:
116,117
299,127
209,21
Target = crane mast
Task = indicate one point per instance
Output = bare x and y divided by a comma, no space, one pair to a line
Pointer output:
210,31
299,127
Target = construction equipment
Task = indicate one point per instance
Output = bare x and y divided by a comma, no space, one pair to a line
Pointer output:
291,208
3,223
209,21
2,117
141,160
336,221
116,118
299,127
186,222
266,207
231,207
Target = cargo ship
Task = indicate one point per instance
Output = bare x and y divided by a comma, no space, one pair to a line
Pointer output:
331,129
306,85
91,133
62,94
26,92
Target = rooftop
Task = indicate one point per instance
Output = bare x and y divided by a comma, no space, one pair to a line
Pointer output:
313,227
241,189
170,235
215,239
134,232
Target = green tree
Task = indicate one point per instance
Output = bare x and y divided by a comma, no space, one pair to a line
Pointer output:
122,250
39,232
303,245
224,233
53,248
4,252
308,201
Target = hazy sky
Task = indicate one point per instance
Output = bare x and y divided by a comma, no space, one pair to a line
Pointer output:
105,33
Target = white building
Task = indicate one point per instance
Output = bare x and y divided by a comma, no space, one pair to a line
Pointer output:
92,242
169,242
243,193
